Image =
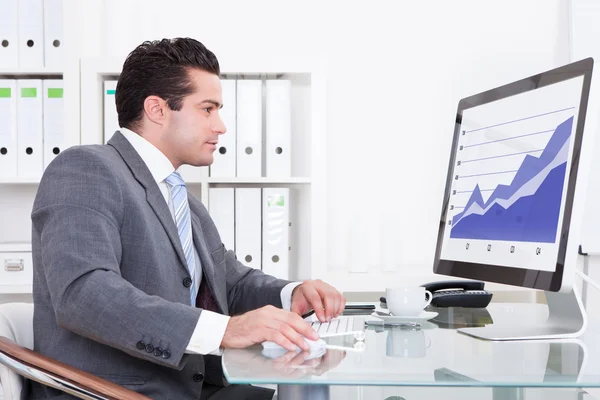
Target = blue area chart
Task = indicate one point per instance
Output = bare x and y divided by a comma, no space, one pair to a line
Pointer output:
528,209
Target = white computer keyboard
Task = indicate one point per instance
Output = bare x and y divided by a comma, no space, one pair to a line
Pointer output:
344,325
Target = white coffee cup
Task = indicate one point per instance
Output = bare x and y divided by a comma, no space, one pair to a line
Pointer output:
407,301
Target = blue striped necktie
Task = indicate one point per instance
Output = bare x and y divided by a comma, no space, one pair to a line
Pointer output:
184,226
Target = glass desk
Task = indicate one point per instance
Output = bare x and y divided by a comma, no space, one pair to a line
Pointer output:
434,355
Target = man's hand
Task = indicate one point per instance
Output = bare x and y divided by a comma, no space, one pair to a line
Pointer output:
268,324
321,297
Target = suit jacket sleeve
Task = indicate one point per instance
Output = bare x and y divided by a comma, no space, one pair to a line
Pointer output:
250,288
78,213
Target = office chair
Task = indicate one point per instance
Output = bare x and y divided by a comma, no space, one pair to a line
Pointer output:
18,361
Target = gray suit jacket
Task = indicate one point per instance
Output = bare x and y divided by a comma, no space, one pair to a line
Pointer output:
109,274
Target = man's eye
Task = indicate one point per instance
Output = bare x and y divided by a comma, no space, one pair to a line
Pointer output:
207,109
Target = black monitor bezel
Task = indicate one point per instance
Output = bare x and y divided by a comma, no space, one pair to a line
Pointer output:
543,280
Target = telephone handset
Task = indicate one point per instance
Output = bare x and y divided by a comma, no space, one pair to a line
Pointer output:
469,294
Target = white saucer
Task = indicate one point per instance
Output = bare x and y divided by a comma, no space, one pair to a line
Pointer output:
424,316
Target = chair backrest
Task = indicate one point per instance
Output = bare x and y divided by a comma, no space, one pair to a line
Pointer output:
18,360
16,324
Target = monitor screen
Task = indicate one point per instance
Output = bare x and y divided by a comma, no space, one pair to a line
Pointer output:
511,178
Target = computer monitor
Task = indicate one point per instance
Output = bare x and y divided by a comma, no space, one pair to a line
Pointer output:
512,202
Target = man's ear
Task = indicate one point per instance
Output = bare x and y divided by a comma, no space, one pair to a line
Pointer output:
155,109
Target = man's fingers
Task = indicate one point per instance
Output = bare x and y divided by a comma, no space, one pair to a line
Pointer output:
336,304
334,301
301,327
325,300
331,299
330,306
294,336
289,320
314,299
281,339
342,305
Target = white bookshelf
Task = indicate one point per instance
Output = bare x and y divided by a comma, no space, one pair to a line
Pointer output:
17,195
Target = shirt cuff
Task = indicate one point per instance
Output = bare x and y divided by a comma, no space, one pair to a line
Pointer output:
286,295
208,334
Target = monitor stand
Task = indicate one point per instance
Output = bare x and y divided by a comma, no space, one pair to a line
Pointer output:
566,319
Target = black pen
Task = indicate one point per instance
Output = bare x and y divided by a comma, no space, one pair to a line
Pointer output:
308,314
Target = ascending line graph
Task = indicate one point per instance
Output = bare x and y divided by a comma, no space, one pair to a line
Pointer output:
521,119
509,178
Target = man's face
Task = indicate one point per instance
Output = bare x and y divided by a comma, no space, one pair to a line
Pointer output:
190,135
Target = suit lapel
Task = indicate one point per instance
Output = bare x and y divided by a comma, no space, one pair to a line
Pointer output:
153,195
208,267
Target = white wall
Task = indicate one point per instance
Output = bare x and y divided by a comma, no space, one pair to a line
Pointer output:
396,71
392,115
585,33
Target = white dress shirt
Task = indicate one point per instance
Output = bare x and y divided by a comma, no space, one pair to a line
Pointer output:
209,331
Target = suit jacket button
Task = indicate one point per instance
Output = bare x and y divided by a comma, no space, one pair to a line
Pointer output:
140,345
166,354
157,352
187,281
149,348
198,377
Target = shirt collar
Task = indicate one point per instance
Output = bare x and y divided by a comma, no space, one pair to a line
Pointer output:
159,165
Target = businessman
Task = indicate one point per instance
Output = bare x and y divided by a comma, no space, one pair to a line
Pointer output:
131,279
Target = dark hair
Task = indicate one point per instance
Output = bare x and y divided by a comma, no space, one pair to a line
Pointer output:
160,68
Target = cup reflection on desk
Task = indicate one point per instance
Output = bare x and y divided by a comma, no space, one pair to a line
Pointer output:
406,343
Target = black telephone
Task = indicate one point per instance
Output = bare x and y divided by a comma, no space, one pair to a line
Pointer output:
468,294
